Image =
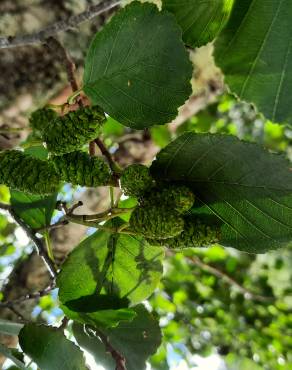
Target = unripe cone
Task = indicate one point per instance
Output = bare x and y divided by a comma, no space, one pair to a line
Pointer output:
79,168
40,118
28,174
196,234
175,197
156,222
136,180
69,133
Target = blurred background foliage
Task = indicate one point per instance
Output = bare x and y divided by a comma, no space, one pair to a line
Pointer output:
211,301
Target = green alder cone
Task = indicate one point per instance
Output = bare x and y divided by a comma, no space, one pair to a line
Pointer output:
40,118
179,198
28,174
156,222
70,132
136,180
196,234
79,168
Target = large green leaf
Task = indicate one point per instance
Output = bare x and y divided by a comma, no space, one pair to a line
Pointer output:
137,68
35,210
254,52
49,348
246,187
135,340
125,266
10,327
200,20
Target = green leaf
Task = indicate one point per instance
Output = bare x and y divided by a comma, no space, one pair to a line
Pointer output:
137,68
49,348
254,53
125,266
200,20
6,352
99,310
9,327
36,211
246,187
135,340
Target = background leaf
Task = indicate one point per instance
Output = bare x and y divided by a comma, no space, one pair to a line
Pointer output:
135,340
35,210
246,187
9,327
254,52
8,354
200,20
49,348
131,270
137,68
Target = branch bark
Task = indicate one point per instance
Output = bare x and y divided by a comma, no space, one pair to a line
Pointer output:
55,28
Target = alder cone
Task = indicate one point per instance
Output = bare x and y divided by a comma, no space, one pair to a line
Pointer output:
40,118
156,222
79,168
28,174
70,132
136,180
196,234
175,197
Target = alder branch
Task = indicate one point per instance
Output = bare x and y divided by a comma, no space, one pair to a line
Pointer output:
55,28
30,296
55,46
222,275
39,244
104,151
117,356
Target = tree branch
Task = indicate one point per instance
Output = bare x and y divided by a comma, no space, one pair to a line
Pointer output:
32,236
119,359
55,46
27,297
222,275
53,29
104,151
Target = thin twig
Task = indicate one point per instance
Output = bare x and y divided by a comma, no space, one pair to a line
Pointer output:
55,46
53,29
39,243
117,356
104,151
222,275
27,297
19,315
5,207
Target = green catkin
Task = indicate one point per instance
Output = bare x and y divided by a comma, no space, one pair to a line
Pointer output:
79,168
69,133
28,174
40,118
196,234
136,180
156,222
179,198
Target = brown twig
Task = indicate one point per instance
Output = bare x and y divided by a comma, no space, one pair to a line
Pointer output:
27,297
53,29
117,356
222,275
108,156
5,207
64,57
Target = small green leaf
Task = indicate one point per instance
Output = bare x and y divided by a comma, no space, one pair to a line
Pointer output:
8,354
254,53
200,20
137,68
136,341
246,187
128,268
49,348
9,327
35,210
